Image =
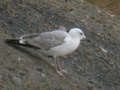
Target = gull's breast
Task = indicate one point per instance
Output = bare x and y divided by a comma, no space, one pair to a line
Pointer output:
65,48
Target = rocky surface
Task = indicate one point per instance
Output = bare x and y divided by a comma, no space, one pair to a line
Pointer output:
94,66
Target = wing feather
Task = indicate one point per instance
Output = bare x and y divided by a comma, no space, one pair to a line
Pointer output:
46,40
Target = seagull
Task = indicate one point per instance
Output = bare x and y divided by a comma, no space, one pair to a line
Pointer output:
55,43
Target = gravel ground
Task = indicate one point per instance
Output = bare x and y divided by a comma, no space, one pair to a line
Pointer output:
94,66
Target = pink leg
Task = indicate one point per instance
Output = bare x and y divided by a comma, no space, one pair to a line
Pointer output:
59,69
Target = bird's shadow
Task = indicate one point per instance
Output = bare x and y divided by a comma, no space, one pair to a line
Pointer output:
37,58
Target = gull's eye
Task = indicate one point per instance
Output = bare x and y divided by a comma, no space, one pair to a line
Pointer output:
81,33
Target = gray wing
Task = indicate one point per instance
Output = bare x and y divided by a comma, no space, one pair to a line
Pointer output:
47,40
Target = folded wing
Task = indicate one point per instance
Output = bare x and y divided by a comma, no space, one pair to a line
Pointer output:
45,40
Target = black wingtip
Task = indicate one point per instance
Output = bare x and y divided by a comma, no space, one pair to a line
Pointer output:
16,42
12,41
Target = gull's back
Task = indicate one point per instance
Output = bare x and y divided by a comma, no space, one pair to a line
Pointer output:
45,40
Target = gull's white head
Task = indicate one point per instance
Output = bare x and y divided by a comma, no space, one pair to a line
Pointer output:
77,32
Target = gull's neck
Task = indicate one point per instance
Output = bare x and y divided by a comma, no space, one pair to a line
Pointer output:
75,39
74,35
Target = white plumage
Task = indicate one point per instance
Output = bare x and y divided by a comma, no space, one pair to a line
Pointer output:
55,43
